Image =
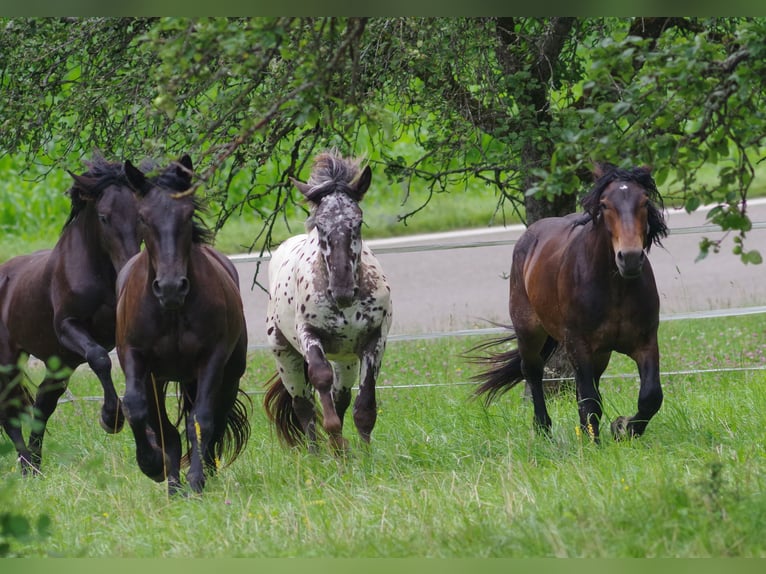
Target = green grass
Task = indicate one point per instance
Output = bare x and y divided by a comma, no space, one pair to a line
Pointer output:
445,476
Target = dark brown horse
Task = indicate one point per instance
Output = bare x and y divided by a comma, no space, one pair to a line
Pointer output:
180,318
61,303
584,281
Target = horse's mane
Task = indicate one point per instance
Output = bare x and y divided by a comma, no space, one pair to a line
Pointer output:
609,173
330,173
104,172
170,181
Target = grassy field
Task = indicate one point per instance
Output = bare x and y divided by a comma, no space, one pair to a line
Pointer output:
445,476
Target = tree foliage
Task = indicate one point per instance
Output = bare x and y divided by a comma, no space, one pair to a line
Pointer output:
521,104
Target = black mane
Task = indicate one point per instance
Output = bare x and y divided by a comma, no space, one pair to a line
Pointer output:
105,173
171,181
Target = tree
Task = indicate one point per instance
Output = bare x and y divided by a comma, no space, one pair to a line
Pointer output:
522,104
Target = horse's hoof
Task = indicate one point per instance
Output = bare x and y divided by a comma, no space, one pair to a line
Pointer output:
112,423
29,468
175,488
339,445
620,430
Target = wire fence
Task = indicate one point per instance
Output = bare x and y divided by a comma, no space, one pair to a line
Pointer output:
717,313
498,330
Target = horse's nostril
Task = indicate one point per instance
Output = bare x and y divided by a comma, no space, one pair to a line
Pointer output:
183,286
156,288
620,256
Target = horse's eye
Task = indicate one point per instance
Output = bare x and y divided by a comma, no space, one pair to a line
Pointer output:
602,206
103,218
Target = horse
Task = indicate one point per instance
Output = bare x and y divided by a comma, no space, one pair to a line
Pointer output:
329,311
60,303
584,281
180,318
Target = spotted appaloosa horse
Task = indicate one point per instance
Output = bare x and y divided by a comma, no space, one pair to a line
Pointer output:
329,311
61,302
584,281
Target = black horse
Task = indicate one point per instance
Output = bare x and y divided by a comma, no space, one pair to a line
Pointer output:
61,303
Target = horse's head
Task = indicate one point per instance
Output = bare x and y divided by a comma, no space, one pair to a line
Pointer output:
623,203
166,220
102,199
334,190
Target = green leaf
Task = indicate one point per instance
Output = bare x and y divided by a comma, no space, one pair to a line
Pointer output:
44,525
15,525
692,203
753,257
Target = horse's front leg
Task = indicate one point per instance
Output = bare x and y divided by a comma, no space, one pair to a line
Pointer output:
139,391
649,395
588,394
201,423
321,376
74,336
365,406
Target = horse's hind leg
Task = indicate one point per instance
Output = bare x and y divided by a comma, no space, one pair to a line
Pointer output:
346,374
292,371
365,406
46,401
13,401
532,350
588,370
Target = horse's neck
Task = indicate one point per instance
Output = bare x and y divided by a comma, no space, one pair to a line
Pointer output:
79,241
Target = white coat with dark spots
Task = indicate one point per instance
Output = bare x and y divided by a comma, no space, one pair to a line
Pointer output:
329,311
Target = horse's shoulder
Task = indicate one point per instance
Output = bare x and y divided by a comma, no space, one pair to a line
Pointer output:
220,262
127,270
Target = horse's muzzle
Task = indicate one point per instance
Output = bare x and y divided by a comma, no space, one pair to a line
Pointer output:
343,298
630,263
171,293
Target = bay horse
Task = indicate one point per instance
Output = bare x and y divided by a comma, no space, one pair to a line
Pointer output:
180,318
329,311
60,303
584,281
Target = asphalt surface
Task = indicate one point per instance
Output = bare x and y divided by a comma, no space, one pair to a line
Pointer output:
454,281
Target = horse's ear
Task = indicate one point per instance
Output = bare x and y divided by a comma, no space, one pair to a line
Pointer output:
186,169
136,178
601,168
363,183
83,187
304,188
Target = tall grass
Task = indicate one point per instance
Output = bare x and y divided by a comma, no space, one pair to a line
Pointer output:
444,476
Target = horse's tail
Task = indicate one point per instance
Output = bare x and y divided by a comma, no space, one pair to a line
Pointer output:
237,430
504,370
279,408
230,444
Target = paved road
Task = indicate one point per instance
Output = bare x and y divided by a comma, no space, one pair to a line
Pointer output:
459,287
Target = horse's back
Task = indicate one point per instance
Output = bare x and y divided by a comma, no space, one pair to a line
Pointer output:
540,251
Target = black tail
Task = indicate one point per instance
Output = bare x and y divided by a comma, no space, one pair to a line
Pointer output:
235,435
279,408
504,370
237,431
